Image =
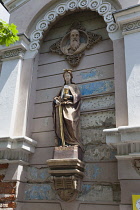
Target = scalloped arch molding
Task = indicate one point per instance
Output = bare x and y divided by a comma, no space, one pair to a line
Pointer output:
102,7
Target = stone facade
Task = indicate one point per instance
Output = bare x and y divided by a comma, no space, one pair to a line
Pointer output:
109,81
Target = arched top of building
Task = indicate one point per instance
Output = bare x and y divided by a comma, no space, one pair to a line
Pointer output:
104,8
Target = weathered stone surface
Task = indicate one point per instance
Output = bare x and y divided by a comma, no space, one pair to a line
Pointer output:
116,192
93,136
39,192
37,175
125,207
103,171
41,155
129,188
100,152
99,119
44,139
88,104
128,170
91,192
102,102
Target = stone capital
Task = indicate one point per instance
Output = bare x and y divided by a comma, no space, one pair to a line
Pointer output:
126,139
16,50
16,149
128,19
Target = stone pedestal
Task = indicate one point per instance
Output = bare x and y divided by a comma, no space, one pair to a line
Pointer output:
67,171
68,152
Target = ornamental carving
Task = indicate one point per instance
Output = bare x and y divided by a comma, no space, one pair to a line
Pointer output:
103,8
66,187
66,176
74,43
13,53
131,26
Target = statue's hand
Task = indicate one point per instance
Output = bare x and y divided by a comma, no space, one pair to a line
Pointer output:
67,102
57,100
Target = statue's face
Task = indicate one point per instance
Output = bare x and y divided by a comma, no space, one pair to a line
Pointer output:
74,35
67,77
138,204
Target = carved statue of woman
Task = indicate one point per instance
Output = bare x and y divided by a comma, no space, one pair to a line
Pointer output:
67,112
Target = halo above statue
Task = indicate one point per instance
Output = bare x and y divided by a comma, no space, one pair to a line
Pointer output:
74,43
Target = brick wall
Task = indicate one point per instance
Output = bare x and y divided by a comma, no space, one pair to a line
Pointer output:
7,190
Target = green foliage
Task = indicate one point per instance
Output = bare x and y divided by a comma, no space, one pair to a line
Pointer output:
8,33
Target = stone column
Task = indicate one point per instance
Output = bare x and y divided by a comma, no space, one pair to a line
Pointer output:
126,138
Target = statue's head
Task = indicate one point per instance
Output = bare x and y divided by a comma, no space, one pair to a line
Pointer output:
74,39
138,204
68,75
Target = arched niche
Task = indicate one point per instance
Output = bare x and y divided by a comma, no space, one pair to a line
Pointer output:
59,10
94,76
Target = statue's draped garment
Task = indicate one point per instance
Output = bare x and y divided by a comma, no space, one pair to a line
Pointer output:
71,117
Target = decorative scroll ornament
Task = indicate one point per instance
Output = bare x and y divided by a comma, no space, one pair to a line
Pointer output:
9,54
131,26
74,43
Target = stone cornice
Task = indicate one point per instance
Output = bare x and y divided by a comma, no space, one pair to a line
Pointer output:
128,19
126,139
16,149
13,4
131,27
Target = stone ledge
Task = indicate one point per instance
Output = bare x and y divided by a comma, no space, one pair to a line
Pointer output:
16,149
128,19
126,139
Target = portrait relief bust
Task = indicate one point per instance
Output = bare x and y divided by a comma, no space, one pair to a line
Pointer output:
75,42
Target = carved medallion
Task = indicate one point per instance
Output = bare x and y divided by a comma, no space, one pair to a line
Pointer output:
74,43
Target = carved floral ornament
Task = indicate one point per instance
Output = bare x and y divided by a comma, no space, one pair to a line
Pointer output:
103,8
74,43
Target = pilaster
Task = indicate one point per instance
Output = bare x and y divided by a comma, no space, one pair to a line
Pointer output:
126,138
15,145
129,22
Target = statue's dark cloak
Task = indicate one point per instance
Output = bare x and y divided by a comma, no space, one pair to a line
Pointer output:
71,117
